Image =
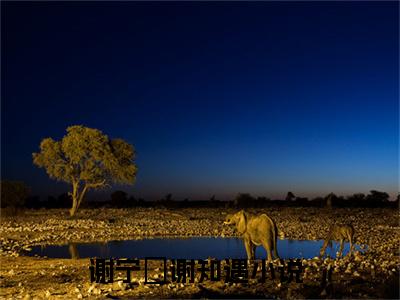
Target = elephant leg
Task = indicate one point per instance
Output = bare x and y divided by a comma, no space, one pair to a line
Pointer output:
341,248
251,258
351,246
268,250
248,246
253,252
321,252
276,249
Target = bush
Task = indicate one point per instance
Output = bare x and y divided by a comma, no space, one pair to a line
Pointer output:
13,195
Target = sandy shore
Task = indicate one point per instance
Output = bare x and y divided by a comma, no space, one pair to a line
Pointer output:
373,274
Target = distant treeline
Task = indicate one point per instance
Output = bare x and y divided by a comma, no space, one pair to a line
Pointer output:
16,195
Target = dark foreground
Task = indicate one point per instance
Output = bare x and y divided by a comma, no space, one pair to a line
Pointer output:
372,274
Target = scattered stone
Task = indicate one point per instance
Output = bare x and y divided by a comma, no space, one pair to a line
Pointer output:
52,227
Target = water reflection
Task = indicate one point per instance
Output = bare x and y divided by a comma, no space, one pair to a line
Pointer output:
190,248
73,251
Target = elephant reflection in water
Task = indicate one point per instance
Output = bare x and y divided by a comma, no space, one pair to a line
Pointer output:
255,231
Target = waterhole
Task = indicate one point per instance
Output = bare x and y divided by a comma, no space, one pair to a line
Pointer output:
185,248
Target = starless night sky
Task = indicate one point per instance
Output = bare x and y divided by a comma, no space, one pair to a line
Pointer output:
217,98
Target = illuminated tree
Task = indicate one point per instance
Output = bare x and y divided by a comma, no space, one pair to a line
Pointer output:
87,159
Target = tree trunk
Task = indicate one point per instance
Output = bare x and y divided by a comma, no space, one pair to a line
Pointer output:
80,198
74,208
75,198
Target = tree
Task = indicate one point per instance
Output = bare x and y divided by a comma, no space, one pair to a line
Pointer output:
13,193
290,196
87,159
244,200
329,200
357,199
263,201
167,198
377,198
301,201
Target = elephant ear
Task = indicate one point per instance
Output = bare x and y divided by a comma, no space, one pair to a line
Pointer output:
242,224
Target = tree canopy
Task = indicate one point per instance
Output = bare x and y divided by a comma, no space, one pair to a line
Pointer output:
87,159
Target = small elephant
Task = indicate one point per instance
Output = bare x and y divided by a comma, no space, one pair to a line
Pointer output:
255,231
338,233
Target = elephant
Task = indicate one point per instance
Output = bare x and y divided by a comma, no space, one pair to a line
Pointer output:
338,233
255,231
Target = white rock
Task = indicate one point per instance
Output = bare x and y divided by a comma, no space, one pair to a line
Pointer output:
91,288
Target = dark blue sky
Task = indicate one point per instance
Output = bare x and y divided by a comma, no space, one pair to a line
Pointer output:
217,98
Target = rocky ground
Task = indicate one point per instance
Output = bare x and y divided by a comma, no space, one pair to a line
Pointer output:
371,274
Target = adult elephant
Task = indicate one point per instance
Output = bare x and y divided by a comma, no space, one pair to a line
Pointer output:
255,231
